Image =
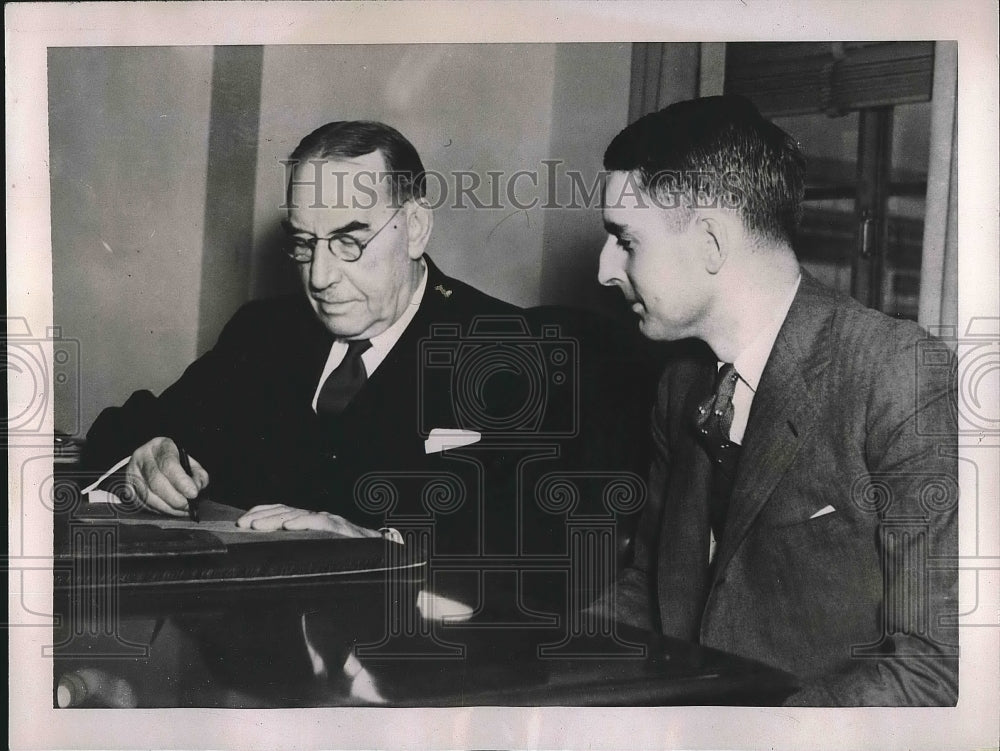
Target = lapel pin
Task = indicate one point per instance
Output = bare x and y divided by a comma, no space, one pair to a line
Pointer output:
446,292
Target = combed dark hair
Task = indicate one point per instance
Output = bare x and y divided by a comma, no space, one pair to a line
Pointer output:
346,139
726,138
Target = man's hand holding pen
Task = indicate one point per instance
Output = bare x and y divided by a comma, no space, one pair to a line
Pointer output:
162,482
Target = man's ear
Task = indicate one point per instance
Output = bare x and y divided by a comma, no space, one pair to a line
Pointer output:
419,223
715,236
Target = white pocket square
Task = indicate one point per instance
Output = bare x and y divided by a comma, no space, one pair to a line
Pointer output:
823,512
440,439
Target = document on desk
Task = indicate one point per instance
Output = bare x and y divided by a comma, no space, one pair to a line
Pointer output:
216,518
150,549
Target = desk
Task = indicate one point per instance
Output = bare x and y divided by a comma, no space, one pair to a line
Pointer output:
363,641
511,667
496,666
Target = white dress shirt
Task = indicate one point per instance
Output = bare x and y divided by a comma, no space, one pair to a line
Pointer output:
750,364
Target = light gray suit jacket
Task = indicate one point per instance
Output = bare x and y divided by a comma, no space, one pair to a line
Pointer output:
854,410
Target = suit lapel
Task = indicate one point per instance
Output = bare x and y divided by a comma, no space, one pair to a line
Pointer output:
309,356
683,569
783,413
391,387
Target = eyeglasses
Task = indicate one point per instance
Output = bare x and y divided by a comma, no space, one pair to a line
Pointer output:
343,245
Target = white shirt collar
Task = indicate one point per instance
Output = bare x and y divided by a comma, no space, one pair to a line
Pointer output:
382,343
751,361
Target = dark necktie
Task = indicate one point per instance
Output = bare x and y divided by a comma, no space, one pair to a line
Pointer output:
713,421
346,380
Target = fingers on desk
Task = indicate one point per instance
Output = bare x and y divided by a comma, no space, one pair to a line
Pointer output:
274,516
269,516
326,522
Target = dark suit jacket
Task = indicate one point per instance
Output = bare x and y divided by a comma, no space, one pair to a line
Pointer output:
854,410
465,361
244,408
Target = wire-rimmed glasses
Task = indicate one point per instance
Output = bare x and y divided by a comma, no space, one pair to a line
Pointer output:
343,245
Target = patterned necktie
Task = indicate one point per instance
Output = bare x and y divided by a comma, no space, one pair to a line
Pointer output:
713,421
715,414
345,381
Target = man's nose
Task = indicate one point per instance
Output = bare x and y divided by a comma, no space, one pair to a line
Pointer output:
325,269
609,267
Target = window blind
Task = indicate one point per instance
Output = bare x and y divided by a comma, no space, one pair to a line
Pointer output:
831,77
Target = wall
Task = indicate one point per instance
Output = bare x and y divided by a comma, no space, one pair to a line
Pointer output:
464,107
229,190
128,135
166,180
590,107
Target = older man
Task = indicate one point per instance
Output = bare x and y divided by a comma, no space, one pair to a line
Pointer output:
305,396
803,498
385,394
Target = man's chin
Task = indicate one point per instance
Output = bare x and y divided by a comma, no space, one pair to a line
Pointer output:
339,319
651,330
341,326
348,327
334,309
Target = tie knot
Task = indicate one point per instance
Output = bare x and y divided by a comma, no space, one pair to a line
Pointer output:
356,348
725,383
727,376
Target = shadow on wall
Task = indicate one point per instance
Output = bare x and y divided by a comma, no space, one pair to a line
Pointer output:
571,280
275,272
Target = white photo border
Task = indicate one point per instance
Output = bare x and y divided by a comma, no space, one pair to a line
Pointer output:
31,28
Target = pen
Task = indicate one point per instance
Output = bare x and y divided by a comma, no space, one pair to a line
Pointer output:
186,464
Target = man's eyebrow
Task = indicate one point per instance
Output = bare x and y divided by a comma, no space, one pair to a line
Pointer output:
349,227
612,228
